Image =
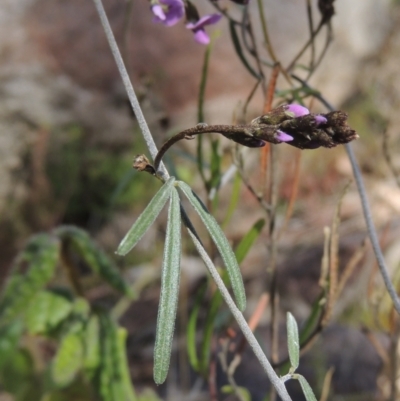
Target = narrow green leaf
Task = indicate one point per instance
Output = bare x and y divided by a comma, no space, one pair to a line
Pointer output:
313,319
41,255
293,341
239,52
209,330
215,165
169,291
191,328
307,390
80,241
46,311
222,244
248,240
147,218
68,360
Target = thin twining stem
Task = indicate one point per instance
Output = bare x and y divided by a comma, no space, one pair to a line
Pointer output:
128,87
373,236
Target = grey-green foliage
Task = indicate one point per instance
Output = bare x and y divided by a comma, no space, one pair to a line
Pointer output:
293,341
147,218
170,269
169,291
294,355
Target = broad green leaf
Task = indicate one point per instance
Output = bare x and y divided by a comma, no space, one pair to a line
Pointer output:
80,241
114,381
248,240
191,329
68,359
307,390
81,308
17,372
129,393
46,311
91,340
222,244
9,339
147,218
169,291
41,255
293,341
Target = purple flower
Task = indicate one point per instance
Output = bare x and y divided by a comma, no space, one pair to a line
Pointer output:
283,136
296,110
200,35
320,120
168,12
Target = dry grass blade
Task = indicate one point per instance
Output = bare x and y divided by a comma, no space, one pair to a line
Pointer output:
326,386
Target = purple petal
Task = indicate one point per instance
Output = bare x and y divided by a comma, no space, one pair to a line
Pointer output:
283,136
158,12
320,120
203,21
173,10
200,36
297,110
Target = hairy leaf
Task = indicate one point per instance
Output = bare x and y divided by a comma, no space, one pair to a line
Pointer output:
169,291
307,390
221,242
293,341
147,218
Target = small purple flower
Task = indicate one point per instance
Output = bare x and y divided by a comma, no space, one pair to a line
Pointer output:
320,120
283,136
168,12
200,35
297,110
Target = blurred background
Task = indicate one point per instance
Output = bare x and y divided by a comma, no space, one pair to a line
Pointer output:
68,138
